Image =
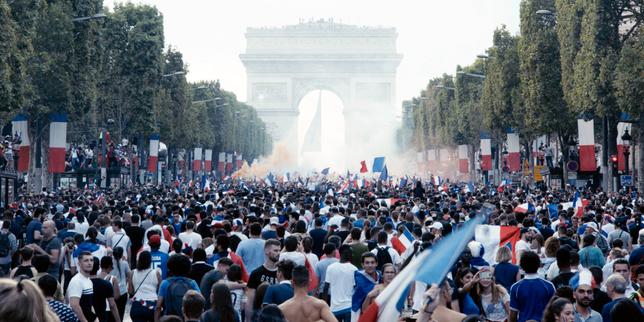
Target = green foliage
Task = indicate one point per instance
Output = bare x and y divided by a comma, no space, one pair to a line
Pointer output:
629,78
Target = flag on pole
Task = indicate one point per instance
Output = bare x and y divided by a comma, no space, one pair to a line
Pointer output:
486,152
57,143
207,164
196,160
153,158
430,267
492,237
20,128
514,151
463,160
403,242
586,145
384,174
378,164
363,167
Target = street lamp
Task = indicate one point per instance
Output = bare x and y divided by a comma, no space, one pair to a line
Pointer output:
96,16
626,139
481,76
482,56
445,87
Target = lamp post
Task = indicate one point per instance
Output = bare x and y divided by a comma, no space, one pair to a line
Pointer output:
96,16
626,138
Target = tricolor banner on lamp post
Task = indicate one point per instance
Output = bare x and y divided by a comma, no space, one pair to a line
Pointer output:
463,164
153,157
207,164
587,160
486,152
196,160
221,163
57,143
20,127
514,151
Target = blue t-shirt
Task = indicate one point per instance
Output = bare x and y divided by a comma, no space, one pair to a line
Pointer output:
160,260
269,234
506,274
252,253
530,296
34,225
278,293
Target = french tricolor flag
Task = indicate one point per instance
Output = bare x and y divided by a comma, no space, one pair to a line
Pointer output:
229,162
238,161
57,143
514,151
388,201
196,160
20,126
153,158
403,242
207,164
587,160
492,237
578,204
221,165
486,152
463,165
430,266
524,208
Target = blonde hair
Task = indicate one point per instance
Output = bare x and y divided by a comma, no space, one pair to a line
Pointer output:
22,301
503,254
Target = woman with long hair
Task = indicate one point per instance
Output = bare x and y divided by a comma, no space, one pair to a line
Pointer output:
122,273
222,305
22,301
143,285
461,299
388,274
559,310
492,297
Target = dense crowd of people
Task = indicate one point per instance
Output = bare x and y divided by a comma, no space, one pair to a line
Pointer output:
248,251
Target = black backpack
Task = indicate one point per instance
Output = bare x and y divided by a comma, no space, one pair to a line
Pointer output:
174,300
5,245
383,257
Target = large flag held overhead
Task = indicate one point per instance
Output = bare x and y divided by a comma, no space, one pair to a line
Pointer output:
57,143
492,237
20,128
430,267
313,136
378,164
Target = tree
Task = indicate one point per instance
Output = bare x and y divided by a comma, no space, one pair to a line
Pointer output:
540,68
7,49
630,90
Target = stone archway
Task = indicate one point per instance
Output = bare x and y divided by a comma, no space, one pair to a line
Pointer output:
357,63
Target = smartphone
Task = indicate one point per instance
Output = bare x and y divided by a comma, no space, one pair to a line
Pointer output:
485,275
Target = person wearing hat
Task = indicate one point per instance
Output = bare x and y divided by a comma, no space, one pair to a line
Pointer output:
159,258
582,284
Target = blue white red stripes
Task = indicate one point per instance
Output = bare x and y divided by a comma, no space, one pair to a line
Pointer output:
153,157
492,237
514,152
221,163
57,143
486,153
20,126
587,160
403,242
463,160
207,164
196,160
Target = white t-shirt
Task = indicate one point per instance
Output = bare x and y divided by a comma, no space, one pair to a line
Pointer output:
313,259
79,285
521,246
341,281
120,239
147,291
191,238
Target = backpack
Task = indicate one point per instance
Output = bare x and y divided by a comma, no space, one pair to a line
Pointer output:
5,245
176,290
383,257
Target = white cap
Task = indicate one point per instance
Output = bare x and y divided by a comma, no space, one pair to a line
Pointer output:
274,221
592,225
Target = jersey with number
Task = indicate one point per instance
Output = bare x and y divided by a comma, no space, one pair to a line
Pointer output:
160,261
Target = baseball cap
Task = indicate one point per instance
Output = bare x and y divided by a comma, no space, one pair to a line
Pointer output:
155,240
592,225
274,221
437,225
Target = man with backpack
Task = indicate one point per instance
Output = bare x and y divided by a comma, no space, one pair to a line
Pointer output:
8,246
172,289
385,254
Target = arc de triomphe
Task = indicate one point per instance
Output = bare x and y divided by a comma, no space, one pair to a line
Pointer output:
358,64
